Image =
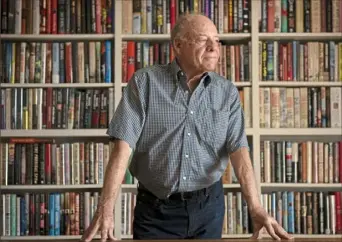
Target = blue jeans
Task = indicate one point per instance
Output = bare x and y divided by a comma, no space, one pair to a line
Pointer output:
197,217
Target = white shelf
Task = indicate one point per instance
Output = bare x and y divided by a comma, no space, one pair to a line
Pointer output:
300,131
56,85
238,84
53,133
301,187
246,236
298,84
300,36
166,37
307,236
44,237
55,37
133,187
49,188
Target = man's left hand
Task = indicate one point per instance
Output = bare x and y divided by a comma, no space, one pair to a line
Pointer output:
262,219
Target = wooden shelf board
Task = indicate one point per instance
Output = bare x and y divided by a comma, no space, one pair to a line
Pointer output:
300,36
53,133
55,37
298,84
57,85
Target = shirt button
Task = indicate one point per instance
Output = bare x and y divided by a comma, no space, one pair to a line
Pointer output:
188,134
184,177
186,156
192,112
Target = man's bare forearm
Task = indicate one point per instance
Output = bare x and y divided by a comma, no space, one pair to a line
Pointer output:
243,169
114,174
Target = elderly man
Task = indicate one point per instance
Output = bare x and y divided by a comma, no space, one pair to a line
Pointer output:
182,120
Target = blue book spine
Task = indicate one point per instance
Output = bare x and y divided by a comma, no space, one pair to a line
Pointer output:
8,62
108,53
285,217
55,63
57,214
291,217
51,214
332,63
270,61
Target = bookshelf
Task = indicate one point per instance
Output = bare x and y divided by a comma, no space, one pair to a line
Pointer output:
257,135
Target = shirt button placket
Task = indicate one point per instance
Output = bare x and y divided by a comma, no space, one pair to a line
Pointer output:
186,148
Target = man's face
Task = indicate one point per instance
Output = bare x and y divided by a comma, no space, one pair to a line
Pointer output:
200,47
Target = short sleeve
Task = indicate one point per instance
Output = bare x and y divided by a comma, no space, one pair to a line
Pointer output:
129,117
236,137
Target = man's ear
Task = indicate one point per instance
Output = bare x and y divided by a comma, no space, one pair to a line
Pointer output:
177,44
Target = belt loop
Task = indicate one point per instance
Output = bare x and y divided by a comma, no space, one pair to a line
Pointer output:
206,191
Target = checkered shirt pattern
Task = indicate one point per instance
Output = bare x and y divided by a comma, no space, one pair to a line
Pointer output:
180,139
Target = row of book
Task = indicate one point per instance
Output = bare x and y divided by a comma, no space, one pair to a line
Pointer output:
300,162
297,212
45,162
300,61
57,16
307,212
300,16
302,107
56,108
234,64
70,108
74,62
68,213
57,62
159,17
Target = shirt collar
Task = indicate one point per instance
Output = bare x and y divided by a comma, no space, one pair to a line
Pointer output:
177,73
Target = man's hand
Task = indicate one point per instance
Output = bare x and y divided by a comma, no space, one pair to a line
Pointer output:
103,220
243,169
115,171
260,219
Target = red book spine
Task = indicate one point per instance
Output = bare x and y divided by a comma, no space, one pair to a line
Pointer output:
54,17
285,57
48,26
48,163
270,16
68,63
130,59
172,13
289,62
98,17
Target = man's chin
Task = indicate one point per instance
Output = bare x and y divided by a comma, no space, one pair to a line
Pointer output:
210,67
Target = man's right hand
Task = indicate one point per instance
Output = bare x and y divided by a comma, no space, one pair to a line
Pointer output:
103,221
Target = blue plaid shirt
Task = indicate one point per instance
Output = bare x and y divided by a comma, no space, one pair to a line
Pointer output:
181,139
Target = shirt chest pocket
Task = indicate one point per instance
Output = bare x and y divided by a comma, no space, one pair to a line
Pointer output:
214,127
